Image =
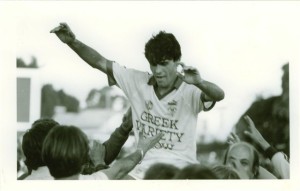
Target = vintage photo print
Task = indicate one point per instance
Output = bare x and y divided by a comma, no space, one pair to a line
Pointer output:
212,88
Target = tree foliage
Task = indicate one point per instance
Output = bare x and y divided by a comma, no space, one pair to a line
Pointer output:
103,98
49,101
70,102
22,64
52,98
271,117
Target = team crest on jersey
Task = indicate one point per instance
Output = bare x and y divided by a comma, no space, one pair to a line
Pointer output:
149,105
172,107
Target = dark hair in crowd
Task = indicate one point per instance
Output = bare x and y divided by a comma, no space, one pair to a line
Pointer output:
161,47
161,171
255,164
225,172
65,151
33,140
195,171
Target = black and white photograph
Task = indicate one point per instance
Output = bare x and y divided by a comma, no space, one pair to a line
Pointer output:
154,95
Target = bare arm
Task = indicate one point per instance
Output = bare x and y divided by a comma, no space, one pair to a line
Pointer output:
88,54
211,91
278,159
255,135
118,138
123,166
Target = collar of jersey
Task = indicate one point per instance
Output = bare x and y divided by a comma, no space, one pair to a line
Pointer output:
152,82
176,85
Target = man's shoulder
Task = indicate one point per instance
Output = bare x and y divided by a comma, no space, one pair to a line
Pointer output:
116,65
122,75
131,71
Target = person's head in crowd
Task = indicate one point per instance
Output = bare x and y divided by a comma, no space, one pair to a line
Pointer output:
244,158
65,151
225,172
33,140
161,171
195,171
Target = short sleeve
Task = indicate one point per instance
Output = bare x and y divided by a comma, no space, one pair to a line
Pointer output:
197,104
129,80
110,75
207,105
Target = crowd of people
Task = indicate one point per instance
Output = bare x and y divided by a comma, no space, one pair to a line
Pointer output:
163,117
59,152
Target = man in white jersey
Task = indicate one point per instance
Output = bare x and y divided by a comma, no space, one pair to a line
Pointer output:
165,101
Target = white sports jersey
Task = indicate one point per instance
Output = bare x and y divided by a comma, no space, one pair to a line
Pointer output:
175,115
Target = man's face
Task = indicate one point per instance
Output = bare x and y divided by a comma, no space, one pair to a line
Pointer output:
241,158
165,73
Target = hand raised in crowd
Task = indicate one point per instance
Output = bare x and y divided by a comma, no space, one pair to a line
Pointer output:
254,134
127,120
146,144
97,152
64,33
233,138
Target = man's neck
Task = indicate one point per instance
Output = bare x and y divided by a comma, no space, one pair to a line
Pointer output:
163,90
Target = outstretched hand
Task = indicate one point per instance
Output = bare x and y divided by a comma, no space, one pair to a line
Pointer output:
254,134
233,138
97,152
64,33
189,74
127,121
147,143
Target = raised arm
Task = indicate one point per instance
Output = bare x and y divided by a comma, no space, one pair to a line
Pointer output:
109,150
123,166
278,159
88,54
118,138
211,91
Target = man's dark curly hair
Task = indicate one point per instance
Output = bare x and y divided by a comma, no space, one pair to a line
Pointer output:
161,47
33,140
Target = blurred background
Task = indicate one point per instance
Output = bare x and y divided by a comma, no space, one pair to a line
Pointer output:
245,48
